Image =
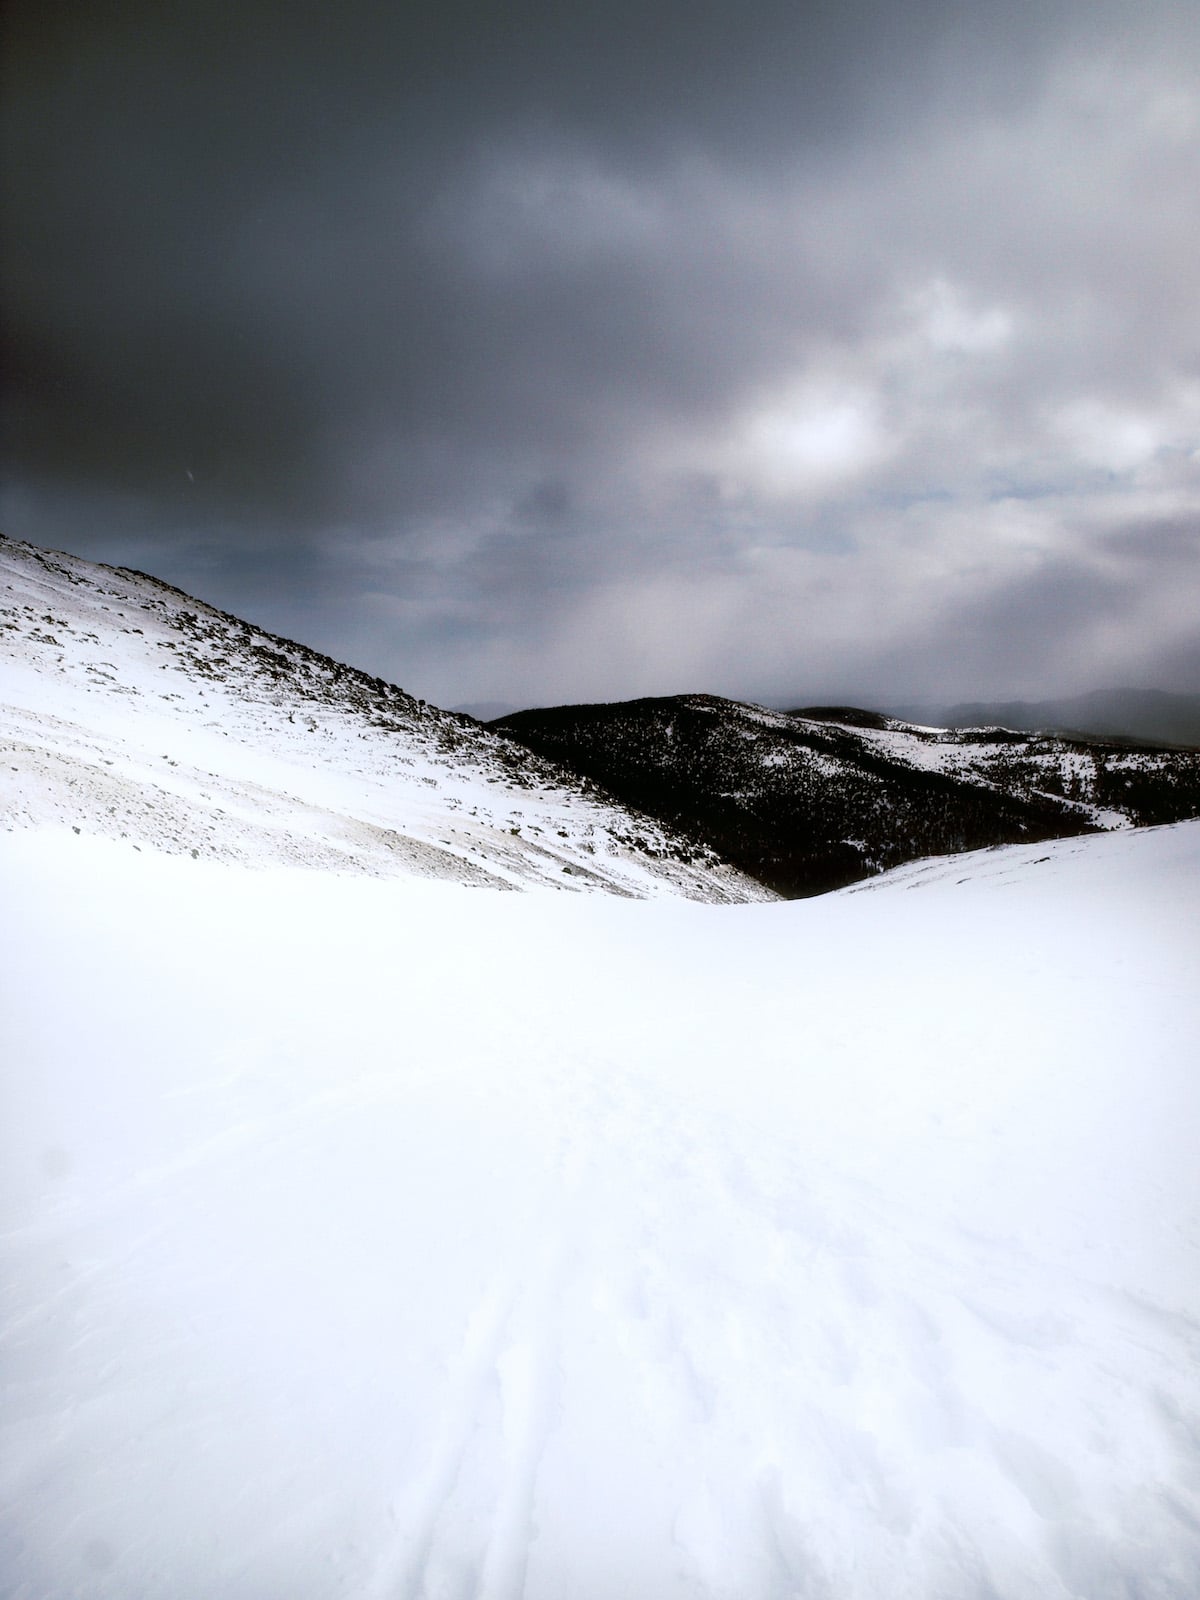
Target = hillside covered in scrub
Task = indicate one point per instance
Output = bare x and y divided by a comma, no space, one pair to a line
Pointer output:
810,800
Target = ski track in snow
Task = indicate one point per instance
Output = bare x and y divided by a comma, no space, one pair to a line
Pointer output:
508,1369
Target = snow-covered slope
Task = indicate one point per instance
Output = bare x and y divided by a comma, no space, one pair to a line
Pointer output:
383,1239
1113,784
130,710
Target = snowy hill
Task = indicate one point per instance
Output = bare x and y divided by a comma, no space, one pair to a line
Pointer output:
130,710
814,799
385,1239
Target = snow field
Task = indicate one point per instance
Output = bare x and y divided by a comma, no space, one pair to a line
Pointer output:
387,1238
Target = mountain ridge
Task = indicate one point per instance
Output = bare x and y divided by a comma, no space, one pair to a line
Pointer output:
813,800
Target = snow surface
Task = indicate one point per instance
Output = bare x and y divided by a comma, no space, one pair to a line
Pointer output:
380,1237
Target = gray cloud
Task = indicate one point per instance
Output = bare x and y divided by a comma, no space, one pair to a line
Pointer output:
533,352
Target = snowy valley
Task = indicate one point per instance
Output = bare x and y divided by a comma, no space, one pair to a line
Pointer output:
370,1233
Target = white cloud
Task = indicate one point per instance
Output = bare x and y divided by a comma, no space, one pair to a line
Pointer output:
951,325
1122,439
810,439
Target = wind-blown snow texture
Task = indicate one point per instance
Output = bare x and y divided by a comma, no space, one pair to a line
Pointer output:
130,710
384,1238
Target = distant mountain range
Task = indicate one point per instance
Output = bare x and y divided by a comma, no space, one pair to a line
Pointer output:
813,799
1144,714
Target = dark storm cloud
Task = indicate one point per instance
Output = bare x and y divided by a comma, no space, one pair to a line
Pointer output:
544,323
237,234
233,238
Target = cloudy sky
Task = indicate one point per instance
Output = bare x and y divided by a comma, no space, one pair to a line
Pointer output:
529,353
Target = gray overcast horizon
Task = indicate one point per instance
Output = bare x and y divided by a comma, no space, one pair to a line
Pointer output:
536,353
